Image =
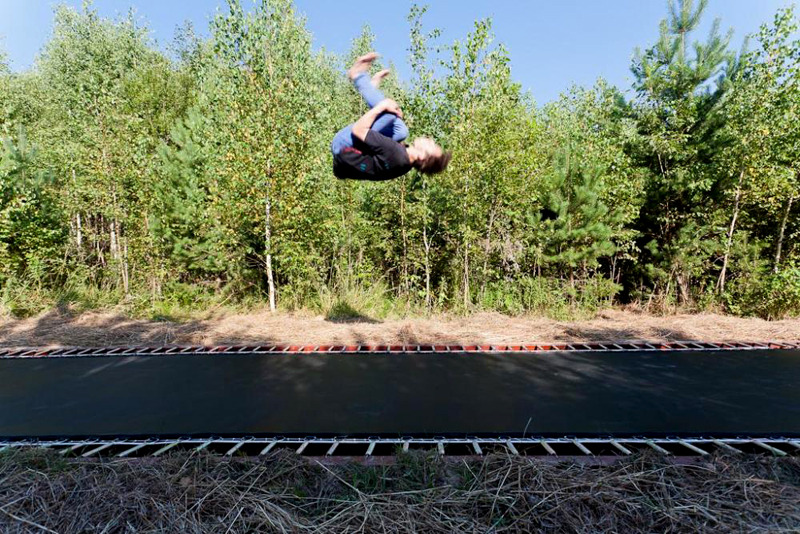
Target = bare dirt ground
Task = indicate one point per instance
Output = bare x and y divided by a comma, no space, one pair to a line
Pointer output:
59,328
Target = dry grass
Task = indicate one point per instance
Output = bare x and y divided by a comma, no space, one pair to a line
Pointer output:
108,328
41,492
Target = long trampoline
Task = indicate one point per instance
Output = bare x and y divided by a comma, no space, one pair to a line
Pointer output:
684,390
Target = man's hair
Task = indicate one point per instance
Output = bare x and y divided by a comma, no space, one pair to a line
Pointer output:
433,164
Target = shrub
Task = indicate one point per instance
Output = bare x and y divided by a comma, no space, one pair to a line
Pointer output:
773,296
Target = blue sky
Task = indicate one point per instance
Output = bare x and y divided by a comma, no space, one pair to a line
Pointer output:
553,43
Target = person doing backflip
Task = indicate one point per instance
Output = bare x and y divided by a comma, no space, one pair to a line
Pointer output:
372,147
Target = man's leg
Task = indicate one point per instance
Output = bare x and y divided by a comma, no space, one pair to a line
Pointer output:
370,93
391,126
387,124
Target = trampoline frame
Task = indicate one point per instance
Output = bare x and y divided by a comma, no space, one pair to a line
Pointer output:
470,446
166,350
530,446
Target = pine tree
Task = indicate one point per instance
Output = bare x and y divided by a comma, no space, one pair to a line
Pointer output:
675,113
581,227
183,221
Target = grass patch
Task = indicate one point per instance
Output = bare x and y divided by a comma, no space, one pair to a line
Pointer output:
417,493
42,460
360,303
343,312
547,297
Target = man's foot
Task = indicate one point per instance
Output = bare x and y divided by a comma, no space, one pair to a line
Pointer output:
362,64
378,78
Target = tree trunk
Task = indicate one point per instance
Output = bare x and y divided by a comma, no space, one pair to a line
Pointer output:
78,225
114,239
465,231
668,290
404,284
487,249
124,267
347,210
114,235
98,232
268,249
78,233
779,247
426,242
683,286
683,46
722,274
466,272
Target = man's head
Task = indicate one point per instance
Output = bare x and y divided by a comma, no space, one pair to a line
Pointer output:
429,158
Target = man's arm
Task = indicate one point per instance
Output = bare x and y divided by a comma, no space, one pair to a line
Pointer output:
363,125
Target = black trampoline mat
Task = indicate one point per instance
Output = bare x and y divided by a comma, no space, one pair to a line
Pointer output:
632,393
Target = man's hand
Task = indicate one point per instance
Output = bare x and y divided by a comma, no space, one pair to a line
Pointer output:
362,125
390,106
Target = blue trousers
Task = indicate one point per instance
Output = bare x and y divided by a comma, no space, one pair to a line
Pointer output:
387,124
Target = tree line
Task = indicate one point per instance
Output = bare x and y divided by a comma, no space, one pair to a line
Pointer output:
133,174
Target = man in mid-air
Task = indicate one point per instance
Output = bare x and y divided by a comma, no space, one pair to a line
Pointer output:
372,148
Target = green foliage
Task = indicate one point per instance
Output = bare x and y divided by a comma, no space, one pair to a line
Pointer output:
548,297
31,231
181,301
771,296
582,228
677,95
183,221
181,183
